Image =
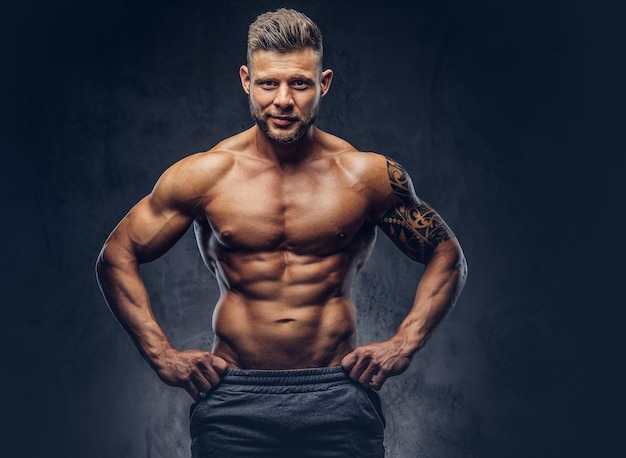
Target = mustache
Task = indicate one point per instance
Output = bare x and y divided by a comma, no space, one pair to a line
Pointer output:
282,115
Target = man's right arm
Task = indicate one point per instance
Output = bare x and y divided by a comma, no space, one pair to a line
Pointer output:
150,229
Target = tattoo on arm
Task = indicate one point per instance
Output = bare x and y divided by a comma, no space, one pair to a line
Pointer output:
411,223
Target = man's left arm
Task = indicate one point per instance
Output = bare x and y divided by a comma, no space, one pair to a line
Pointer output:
420,232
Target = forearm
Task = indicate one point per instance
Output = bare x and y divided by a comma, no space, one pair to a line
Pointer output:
437,292
126,295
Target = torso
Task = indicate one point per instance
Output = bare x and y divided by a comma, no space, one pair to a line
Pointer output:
285,243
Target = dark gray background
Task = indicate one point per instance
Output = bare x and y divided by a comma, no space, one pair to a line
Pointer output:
509,117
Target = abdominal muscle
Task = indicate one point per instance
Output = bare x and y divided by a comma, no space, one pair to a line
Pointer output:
283,311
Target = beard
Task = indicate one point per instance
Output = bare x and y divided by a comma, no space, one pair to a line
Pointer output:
279,136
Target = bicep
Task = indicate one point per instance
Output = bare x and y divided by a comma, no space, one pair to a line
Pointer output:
150,229
413,225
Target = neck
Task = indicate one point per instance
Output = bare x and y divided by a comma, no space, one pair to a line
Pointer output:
286,152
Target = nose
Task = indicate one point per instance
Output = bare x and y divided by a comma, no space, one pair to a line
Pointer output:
283,98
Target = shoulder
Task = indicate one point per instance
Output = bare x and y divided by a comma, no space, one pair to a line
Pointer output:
381,178
380,172
364,164
198,172
186,185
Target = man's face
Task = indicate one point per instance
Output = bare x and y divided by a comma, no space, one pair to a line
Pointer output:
284,92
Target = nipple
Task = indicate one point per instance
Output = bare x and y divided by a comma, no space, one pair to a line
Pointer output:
225,236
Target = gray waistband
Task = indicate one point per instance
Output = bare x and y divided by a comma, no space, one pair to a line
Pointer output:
315,378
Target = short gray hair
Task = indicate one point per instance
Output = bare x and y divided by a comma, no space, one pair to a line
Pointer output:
284,30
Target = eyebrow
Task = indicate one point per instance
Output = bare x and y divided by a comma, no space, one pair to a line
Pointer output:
295,76
308,79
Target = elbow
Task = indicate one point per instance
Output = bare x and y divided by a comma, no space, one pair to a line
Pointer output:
450,257
462,268
458,260
102,263
458,265
113,256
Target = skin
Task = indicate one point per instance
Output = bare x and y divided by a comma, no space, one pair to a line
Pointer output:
285,215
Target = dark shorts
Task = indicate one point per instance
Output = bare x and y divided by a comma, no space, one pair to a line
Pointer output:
302,413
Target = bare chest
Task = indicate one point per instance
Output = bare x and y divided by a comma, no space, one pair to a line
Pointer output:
299,211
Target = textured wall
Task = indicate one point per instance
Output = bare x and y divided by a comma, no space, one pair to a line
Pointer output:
504,113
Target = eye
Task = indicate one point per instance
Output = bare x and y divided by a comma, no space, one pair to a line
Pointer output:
300,84
267,84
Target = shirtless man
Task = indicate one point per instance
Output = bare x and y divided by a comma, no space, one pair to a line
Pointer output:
285,215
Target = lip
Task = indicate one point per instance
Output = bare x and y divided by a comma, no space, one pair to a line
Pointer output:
282,122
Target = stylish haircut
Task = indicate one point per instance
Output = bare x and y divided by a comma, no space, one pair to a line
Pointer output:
284,30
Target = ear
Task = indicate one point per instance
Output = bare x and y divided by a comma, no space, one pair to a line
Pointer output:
244,74
327,78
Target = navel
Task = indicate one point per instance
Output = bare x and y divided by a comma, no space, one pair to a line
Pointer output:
286,320
341,235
